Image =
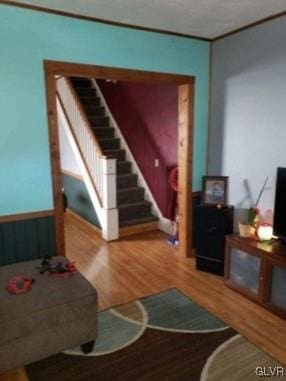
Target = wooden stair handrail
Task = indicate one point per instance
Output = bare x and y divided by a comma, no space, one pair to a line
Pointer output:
79,148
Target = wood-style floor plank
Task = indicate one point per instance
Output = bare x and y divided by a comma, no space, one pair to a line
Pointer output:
145,264
15,375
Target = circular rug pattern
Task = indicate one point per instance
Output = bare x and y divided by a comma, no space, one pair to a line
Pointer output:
238,359
117,328
171,311
172,338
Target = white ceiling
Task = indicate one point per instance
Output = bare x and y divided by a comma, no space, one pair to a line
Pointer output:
203,18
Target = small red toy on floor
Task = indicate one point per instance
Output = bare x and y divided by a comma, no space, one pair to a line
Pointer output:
19,284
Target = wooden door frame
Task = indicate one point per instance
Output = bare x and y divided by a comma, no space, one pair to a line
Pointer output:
186,92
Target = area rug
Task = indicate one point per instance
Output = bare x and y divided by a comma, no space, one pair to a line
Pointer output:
162,337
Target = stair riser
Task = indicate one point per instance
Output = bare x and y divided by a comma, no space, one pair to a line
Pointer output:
81,83
110,143
92,111
100,121
130,196
90,101
120,155
126,182
134,212
126,230
124,167
85,92
138,225
105,132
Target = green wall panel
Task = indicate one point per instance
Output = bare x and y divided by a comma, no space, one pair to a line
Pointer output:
79,200
26,39
27,240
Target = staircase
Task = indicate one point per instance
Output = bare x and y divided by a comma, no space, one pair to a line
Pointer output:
133,209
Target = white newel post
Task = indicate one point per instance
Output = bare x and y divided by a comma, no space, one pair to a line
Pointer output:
108,183
110,229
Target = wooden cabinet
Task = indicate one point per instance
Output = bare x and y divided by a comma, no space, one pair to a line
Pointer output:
258,271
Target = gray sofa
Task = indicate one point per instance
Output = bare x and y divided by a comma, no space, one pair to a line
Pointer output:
56,314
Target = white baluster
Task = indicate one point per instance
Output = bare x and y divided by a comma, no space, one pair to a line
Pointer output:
101,170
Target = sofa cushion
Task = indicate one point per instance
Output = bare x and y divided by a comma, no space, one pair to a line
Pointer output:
53,301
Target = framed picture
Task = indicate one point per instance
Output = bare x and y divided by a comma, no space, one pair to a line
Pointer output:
215,190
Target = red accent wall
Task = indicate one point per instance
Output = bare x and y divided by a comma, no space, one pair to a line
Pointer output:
147,115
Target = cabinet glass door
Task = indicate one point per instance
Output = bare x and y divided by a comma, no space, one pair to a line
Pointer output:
278,287
244,270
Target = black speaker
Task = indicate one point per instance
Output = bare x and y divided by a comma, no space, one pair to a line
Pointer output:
211,225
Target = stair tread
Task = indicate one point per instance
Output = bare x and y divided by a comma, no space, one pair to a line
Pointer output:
134,204
80,87
139,220
102,129
126,180
113,151
123,161
109,143
103,132
131,194
129,189
99,126
123,166
116,153
94,109
88,107
99,117
85,91
126,174
83,97
109,140
81,83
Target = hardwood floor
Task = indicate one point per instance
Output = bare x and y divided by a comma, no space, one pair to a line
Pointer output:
14,375
145,264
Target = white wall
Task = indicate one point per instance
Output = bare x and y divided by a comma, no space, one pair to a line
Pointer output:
67,158
248,112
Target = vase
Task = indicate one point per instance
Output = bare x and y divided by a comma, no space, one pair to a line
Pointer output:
246,231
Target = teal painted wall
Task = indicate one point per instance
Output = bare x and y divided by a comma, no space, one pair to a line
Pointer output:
26,39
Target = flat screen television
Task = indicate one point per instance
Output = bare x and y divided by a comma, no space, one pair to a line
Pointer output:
279,222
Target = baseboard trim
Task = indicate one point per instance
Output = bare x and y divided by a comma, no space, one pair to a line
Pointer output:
165,225
136,229
80,219
123,232
72,174
26,216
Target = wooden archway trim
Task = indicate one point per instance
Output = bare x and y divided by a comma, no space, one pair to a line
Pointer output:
185,160
186,92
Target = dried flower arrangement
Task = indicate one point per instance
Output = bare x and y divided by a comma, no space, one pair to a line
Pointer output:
253,212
